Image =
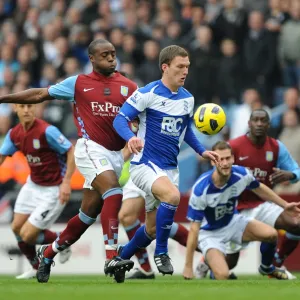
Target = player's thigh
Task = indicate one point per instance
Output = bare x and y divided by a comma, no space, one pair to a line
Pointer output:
131,210
258,231
267,213
165,191
92,203
99,166
29,233
150,222
18,221
288,222
217,263
48,207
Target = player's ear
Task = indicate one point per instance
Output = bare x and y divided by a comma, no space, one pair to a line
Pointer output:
15,107
91,57
164,67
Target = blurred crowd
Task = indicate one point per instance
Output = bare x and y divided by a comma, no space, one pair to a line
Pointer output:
244,54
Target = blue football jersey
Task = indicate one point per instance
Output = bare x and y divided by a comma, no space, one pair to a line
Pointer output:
216,206
164,118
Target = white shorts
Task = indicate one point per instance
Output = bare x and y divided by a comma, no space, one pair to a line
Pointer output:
217,239
130,190
267,212
93,159
143,176
40,202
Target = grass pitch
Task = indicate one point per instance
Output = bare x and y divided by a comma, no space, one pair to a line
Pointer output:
165,288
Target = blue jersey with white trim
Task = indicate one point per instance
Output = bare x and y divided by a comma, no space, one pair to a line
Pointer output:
216,206
164,118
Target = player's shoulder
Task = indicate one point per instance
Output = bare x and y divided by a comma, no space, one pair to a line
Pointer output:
126,81
39,123
185,93
273,141
201,185
150,87
239,170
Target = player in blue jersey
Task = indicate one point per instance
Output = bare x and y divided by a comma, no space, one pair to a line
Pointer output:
165,110
213,205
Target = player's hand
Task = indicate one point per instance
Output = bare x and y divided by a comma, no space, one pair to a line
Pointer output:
135,145
212,155
64,192
126,153
188,273
293,208
280,176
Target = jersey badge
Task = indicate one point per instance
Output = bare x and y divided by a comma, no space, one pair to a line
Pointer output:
269,155
124,90
36,144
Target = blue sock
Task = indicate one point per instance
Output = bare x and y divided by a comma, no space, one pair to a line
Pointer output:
141,239
164,220
267,251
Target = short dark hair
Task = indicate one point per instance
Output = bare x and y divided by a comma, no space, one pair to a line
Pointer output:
261,110
167,54
221,145
94,44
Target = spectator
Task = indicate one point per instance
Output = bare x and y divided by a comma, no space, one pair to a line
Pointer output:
289,47
259,57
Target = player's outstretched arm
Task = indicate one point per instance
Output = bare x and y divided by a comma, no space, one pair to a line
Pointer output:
65,187
267,194
190,250
30,96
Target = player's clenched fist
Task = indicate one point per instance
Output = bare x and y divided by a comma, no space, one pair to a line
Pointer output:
135,145
188,273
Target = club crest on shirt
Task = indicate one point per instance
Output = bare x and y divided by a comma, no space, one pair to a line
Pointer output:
124,90
36,144
269,155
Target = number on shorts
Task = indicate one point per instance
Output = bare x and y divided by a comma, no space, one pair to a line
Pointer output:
44,214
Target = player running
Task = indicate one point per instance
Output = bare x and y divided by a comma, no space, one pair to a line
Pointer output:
214,197
43,197
97,98
271,163
132,207
165,111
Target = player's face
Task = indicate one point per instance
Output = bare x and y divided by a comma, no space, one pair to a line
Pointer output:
104,59
226,162
25,112
178,70
259,124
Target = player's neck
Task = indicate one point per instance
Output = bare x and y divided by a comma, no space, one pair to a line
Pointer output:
173,89
27,125
219,180
99,73
259,141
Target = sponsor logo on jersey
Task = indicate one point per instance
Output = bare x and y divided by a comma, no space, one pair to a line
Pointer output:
124,90
33,159
104,110
36,143
223,209
258,173
269,155
171,126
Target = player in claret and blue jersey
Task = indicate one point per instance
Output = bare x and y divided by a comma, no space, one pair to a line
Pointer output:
43,197
213,205
165,110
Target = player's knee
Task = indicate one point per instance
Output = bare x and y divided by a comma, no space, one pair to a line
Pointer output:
221,274
16,228
126,218
28,236
272,236
174,197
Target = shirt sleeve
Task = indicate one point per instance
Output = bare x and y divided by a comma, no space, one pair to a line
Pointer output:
57,141
138,100
252,183
8,148
64,90
197,205
191,139
286,162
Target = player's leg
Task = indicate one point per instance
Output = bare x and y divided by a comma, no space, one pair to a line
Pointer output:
217,263
258,231
291,238
129,217
179,234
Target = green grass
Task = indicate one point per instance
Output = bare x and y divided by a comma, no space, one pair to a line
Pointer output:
165,288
